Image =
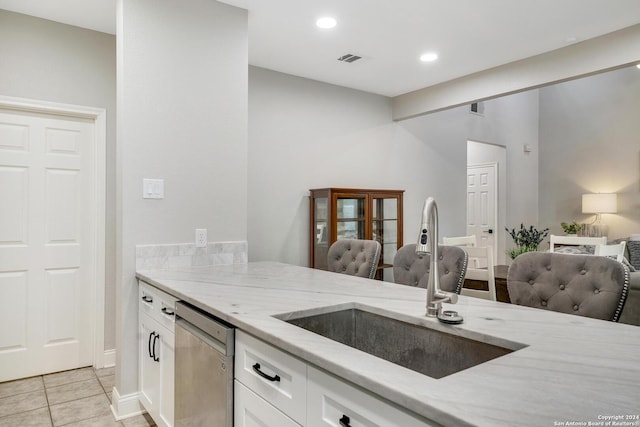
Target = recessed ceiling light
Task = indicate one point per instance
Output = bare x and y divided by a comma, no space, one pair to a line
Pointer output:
428,57
638,66
326,22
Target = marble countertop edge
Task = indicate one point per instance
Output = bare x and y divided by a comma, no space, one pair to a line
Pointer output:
250,296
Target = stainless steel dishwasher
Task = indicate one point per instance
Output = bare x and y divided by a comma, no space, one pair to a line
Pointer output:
203,369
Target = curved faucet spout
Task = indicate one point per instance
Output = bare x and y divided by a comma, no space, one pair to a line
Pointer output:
428,245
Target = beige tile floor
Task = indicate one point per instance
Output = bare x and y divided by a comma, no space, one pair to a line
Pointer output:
76,398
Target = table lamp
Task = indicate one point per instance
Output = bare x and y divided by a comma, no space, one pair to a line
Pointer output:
599,203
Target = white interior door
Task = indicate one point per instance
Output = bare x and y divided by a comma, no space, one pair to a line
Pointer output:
45,243
482,204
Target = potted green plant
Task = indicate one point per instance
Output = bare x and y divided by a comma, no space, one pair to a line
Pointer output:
572,228
526,239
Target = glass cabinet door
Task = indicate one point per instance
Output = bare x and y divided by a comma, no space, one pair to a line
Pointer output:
385,230
350,217
321,219
322,229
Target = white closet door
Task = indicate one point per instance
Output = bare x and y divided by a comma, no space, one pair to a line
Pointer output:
482,206
46,285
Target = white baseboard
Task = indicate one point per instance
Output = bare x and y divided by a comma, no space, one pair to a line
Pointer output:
125,406
109,358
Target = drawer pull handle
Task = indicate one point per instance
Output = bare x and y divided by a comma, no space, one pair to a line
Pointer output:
344,421
274,378
147,298
168,312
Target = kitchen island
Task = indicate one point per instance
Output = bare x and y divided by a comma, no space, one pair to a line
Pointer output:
568,370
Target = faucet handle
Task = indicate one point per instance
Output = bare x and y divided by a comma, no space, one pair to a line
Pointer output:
444,296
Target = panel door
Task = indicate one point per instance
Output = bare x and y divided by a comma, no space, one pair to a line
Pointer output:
45,282
482,206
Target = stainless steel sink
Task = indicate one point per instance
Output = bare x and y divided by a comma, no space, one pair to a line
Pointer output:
417,347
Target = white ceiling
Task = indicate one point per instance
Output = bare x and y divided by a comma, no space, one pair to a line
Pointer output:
390,35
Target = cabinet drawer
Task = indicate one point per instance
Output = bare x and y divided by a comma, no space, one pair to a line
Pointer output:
288,392
157,304
251,410
331,400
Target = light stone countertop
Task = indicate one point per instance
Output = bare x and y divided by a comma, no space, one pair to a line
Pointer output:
573,369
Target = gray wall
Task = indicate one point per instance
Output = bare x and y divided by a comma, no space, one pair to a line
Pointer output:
182,117
45,60
589,143
306,134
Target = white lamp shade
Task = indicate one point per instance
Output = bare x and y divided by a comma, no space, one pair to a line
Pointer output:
600,203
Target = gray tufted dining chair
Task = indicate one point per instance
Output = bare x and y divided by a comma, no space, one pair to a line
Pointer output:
354,257
410,270
584,285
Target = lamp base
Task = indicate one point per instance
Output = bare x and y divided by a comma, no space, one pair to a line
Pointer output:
593,230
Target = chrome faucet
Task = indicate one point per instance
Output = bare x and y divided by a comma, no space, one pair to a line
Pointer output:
428,245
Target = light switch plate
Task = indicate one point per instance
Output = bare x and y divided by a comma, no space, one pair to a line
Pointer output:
152,188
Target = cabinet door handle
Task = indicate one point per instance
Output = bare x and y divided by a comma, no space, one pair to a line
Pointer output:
344,421
147,298
274,378
151,334
155,357
168,312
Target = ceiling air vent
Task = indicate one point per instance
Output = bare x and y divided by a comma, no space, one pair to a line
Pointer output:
349,58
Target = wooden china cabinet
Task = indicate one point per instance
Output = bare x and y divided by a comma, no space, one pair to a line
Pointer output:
353,213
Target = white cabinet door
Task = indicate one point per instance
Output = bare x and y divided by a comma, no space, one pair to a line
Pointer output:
333,402
250,410
149,376
156,376
166,345
157,352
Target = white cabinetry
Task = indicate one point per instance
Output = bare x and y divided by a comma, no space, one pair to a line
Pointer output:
276,378
273,388
251,410
156,353
332,402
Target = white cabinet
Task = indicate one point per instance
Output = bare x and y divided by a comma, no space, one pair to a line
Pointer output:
250,410
273,375
303,393
156,353
333,402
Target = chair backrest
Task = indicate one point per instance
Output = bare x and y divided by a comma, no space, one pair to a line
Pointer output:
616,251
354,257
584,285
459,241
409,269
575,240
484,274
